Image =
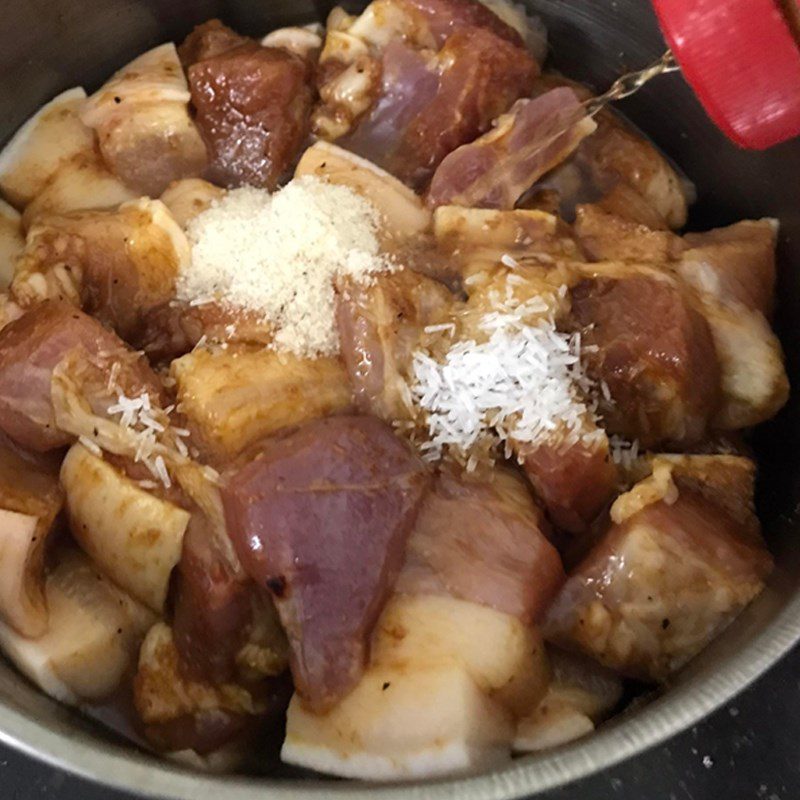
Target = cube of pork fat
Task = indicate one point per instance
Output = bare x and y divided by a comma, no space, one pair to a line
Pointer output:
661,584
253,105
93,634
482,540
144,128
606,237
734,264
445,680
321,518
654,352
581,693
426,107
30,350
379,327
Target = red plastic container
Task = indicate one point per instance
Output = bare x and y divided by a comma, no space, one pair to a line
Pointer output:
743,62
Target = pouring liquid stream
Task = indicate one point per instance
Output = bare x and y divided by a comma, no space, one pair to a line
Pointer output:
625,86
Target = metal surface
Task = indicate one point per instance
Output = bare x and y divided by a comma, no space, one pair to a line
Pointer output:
49,45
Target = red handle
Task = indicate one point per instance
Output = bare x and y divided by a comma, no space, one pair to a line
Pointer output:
743,62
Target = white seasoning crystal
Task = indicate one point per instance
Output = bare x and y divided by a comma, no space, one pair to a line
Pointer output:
161,471
524,383
278,255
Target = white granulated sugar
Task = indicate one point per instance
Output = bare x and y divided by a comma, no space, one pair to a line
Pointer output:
524,384
279,254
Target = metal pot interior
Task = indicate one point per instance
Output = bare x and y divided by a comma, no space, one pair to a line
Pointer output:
51,45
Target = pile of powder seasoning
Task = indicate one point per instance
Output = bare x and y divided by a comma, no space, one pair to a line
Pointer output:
279,255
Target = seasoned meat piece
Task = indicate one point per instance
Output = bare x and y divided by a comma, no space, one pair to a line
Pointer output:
426,110
118,265
444,17
482,540
179,712
236,396
618,155
481,76
253,105
654,352
734,264
497,168
174,328
478,238
574,480
623,201
379,327
132,535
606,237
218,614
731,274
208,40
409,81
682,559
321,517
33,346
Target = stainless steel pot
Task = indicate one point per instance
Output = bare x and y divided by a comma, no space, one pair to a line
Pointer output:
50,45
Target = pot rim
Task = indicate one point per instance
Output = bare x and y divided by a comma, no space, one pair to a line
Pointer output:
679,708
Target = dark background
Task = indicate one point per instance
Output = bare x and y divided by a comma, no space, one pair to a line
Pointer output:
750,748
